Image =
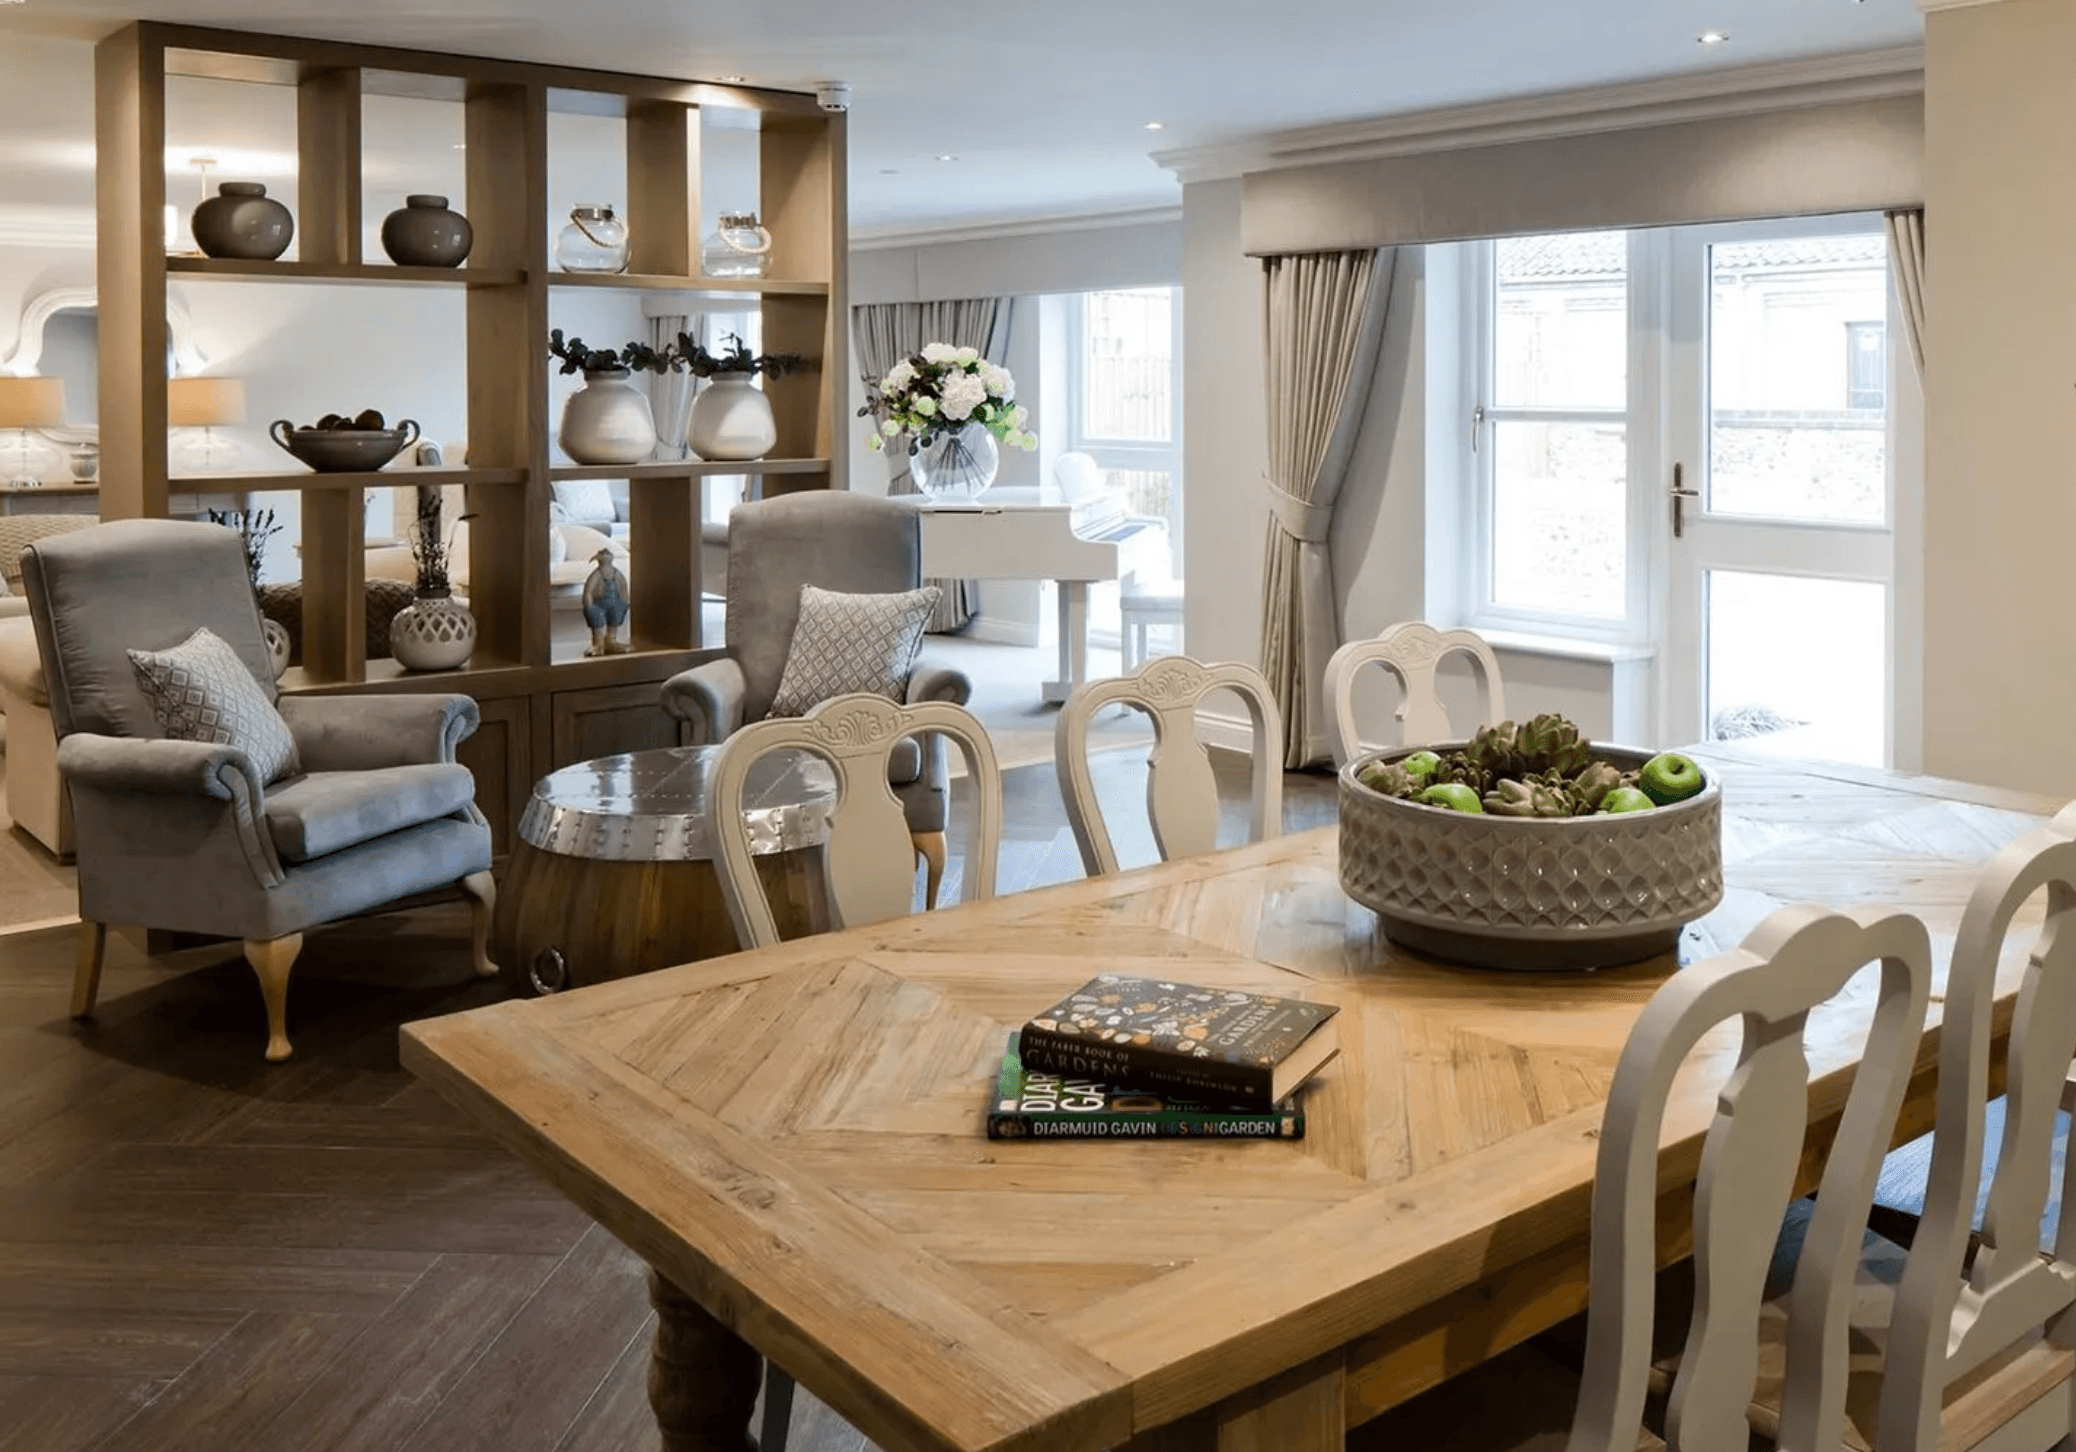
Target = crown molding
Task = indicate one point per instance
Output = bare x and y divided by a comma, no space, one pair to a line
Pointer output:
1928,6
1692,96
995,231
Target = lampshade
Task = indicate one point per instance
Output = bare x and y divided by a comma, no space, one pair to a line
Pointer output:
193,403
32,403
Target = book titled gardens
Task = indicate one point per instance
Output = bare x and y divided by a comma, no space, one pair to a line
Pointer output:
1032,1104
1219,1045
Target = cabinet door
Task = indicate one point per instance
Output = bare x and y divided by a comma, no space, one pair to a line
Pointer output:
500,755
609,719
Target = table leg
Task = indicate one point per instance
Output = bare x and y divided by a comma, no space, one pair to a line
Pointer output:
702,1376
1073,641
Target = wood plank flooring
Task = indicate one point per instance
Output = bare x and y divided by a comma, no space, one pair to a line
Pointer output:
200,1251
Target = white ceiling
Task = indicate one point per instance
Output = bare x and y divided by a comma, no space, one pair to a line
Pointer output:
1045,104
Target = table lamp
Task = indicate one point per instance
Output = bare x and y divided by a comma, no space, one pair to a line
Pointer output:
25,404
206,404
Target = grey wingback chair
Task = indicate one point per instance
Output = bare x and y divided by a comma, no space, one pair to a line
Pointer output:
184,835
856,544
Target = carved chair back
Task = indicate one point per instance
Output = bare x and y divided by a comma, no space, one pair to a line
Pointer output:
1796,960
1181,793
1951,1323
1411,651
870,861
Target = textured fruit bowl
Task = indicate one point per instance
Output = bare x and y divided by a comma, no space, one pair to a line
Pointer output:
1531,892
343,451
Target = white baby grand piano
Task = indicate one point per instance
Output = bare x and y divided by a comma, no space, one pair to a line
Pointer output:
1072,544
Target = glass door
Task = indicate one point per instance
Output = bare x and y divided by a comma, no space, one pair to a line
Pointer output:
1779,507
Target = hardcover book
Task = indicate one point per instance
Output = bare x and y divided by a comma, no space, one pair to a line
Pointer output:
1220,1045
1032,1104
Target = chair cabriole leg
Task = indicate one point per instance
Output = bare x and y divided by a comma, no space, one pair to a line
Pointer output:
271,959
930,846
482,893
86,975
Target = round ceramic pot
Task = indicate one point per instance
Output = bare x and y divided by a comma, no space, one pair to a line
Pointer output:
607,421
424,232
1531,892
279,646
433,633
956,465
241,220
731,419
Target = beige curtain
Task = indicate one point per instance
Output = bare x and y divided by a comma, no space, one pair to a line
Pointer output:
1907,267
1323,322
885,333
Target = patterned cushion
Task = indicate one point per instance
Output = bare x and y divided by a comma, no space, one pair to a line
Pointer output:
200,691
847,643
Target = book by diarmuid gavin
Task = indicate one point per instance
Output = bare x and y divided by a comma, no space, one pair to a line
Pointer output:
1032,1104
1220,1045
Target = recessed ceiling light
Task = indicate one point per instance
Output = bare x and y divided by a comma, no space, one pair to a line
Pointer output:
1156,126
733,80
946,156
1711,37
890,171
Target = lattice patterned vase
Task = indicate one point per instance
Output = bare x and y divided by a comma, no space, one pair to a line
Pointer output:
1531,892
432,633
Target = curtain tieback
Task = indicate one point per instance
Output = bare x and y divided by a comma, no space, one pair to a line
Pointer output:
1305,522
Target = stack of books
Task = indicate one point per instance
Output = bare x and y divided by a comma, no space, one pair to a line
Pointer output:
1123,1058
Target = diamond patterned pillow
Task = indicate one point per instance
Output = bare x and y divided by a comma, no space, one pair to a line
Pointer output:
200,691
847,643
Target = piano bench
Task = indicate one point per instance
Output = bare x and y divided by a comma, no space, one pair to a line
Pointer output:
1142,609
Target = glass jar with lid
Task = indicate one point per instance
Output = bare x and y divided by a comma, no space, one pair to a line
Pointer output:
738,247
594,241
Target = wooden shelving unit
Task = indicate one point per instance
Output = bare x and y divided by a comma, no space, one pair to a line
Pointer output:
539,711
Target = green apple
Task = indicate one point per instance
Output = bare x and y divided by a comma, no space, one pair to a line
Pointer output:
1669,777
1624,799
1420,765
1453,795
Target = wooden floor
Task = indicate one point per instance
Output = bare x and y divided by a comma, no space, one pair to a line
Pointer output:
199,1251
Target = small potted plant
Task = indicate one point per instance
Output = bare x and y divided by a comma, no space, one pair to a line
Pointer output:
731,417
435,632
953,405
608,420
254,528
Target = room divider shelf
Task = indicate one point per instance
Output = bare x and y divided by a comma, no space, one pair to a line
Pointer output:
540,709
347,272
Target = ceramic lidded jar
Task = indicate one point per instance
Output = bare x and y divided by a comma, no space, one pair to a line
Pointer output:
425,232
242,221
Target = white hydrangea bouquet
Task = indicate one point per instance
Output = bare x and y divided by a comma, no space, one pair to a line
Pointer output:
938,392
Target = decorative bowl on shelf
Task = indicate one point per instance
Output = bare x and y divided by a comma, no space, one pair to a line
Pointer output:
1531,892
344,450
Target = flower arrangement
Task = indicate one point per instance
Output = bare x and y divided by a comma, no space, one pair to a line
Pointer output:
687,354
254,527
939,391
693,356
431,548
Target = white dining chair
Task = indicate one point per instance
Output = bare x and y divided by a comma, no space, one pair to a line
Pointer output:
1412,651
1181,792
869,866
1795,961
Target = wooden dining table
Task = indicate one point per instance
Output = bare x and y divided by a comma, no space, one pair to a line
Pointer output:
793,1139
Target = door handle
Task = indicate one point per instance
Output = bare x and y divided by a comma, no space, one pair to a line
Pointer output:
1680,495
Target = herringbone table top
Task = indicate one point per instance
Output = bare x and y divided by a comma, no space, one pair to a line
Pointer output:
794,1136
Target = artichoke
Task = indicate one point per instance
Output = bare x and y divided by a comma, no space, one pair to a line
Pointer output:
1594,782
1515,798
1495,753
1550,743
1387,777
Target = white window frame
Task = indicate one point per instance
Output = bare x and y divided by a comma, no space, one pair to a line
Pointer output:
1642,422
1129,453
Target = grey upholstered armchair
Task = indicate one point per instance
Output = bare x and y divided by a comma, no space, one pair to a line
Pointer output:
855,544
189,835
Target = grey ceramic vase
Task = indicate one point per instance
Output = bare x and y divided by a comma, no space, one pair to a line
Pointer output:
242,221
425,232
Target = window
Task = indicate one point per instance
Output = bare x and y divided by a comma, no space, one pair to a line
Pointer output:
1867,365
1126,408
1553,429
